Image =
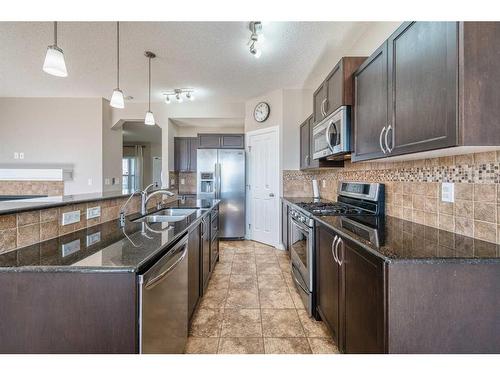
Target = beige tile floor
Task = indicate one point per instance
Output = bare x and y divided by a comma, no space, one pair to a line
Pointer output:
251,307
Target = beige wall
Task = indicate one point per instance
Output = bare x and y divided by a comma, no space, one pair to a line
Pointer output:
112,143
192,131
55,131
275,101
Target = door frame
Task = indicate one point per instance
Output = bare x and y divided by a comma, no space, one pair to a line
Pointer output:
249,214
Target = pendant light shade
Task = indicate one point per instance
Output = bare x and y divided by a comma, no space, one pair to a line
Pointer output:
149,119
54,63
117,100
117,97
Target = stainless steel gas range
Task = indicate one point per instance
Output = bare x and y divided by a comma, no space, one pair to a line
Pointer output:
355,200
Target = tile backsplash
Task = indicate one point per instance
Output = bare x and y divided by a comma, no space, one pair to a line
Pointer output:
413,190
49,188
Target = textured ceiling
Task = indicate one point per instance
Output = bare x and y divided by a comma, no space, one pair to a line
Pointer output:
211,57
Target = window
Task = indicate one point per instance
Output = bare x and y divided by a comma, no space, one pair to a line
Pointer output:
129,181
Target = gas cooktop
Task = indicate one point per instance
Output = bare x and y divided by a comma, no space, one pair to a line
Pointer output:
331,209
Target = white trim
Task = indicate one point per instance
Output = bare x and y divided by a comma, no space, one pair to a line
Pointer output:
30,174
276,131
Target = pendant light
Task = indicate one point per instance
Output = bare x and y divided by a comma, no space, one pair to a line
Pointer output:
149,119
117,97
54,59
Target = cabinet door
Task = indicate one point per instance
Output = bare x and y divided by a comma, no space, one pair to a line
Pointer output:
181,154
334,89
193,150
370,107
319,97
209,141
363,300
194,270
328,279
312,163
232,141
284,225
423,63
305,144
205,252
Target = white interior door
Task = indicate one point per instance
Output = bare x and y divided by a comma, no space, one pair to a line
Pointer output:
263,192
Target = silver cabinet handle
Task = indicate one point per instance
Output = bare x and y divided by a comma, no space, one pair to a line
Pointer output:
323,111
389,129
334,246
155,281
380,140
340,261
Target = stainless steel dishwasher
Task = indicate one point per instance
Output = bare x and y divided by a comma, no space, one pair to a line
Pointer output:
163,303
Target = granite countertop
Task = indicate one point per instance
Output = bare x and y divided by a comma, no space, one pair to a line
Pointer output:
402,240
20,205
106,247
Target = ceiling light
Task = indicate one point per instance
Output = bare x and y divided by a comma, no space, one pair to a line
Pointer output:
178,97
149,119
189,96
54,59
117,97
256,36
167,99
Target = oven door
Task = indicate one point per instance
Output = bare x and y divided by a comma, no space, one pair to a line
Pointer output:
300,252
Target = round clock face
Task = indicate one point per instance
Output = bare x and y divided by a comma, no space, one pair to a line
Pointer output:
261,112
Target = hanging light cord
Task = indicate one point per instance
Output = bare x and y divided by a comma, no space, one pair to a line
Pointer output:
149,93
55,33
118,55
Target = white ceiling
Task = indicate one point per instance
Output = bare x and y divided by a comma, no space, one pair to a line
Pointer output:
211,57
209,122
136,132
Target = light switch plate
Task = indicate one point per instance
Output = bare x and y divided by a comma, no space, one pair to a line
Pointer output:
70,217
93,212
448,192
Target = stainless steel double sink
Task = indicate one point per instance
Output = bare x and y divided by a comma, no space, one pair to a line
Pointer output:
169,215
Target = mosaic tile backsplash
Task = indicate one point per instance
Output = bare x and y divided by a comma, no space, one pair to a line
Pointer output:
49,188
413,190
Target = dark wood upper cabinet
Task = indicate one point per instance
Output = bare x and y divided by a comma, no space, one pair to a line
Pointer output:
221,141
363,300
422,84
233,141
441,81
185,154
328,282
305,144
337,89
370,109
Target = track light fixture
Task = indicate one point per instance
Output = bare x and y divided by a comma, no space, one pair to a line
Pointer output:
256,30
179,95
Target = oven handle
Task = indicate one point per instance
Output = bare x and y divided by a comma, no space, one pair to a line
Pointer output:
300,225
297,280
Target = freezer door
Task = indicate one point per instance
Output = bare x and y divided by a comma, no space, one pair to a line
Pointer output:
231,192
206,177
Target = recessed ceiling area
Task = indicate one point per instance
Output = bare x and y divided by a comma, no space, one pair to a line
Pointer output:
209,122
211,57
137,132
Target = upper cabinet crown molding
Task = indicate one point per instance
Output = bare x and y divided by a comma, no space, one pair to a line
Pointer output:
430,86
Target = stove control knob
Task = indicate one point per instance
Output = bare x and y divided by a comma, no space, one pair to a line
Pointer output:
302,219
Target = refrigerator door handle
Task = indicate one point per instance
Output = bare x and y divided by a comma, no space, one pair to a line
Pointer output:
219,181
216,181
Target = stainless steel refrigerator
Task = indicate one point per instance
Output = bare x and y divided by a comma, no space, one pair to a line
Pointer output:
221,175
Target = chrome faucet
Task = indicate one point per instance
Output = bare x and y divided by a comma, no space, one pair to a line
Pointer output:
145,197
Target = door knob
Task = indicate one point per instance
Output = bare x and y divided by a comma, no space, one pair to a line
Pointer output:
271,195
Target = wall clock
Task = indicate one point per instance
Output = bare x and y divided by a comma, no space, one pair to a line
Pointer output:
261,112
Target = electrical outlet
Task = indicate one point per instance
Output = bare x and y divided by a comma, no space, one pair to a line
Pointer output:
183,181
93,238
448,192
70,217
107,181
93,212
70,247
16,155
323,183
89,182
21,155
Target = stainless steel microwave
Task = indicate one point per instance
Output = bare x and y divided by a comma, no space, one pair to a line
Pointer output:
332,136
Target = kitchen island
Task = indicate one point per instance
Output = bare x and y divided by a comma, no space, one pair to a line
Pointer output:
86,292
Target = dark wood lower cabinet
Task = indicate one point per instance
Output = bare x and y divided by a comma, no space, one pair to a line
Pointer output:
194,269
205,252
284,224
372,305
